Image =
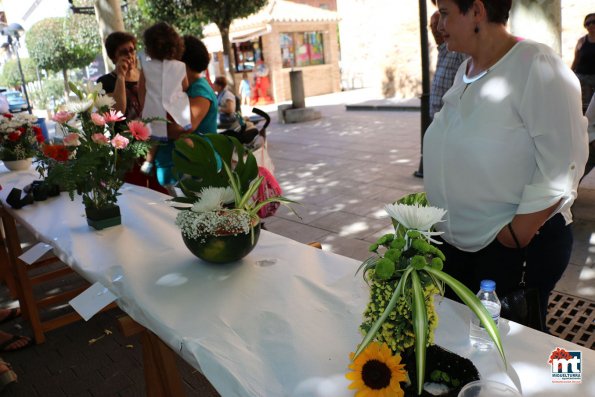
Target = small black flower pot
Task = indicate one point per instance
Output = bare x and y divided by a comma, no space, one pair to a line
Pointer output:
40,190
53,190
223,249
101,218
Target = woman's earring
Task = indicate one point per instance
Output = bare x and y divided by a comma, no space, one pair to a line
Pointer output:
476,30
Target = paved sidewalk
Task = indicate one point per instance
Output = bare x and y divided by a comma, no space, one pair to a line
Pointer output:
343,168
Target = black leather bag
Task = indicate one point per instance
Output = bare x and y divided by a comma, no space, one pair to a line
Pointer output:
522,305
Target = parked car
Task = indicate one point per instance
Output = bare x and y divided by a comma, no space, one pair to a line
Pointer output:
16,102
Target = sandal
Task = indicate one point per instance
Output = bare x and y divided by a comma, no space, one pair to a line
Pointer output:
11,314
4,347
7,375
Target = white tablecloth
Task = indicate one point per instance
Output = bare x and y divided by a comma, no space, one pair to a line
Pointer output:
282,322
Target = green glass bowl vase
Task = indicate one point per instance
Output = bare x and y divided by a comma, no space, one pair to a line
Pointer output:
223,248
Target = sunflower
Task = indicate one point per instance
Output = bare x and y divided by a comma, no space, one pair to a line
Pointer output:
376,372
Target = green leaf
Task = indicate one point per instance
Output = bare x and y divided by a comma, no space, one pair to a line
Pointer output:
420,328
371,334
474,304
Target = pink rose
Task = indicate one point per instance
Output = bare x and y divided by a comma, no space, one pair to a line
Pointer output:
120,142
139,130
100,139
62,117
113,115
72,140
98,119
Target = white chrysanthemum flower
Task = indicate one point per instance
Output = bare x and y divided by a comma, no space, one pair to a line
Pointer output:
213,198
414,216
104,100
78,106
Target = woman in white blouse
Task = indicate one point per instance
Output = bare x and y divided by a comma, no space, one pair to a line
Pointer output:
505,153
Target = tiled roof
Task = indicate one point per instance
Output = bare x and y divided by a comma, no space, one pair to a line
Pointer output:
276,11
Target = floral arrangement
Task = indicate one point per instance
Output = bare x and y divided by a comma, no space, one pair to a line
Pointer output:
222,200
97,149
19,136
404,276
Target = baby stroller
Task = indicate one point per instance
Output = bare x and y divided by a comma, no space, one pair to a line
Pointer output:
246,130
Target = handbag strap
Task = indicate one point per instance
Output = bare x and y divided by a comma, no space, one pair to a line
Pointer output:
518,245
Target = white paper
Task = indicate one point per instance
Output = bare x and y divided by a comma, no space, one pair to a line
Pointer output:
92,300
34,253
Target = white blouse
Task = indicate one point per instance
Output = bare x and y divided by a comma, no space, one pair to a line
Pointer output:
513,141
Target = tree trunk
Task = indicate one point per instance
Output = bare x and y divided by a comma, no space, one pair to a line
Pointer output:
66,88
109,19
228,59
538,20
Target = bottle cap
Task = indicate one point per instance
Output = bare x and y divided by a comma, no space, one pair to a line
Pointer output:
488,285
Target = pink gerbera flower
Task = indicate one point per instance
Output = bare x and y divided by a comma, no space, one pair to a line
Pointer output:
139,130
72,140
113,115
100,139
62,116
98,119
120,142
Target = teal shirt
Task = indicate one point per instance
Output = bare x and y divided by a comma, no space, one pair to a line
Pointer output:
201,88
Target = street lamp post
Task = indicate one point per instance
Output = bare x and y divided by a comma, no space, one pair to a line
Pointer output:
13,32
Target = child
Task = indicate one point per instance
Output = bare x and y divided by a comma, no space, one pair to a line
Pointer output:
163,83
245,89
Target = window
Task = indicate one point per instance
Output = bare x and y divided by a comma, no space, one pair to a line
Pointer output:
247,54
301,49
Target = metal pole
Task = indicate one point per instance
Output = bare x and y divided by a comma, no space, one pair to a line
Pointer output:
425,79
15,47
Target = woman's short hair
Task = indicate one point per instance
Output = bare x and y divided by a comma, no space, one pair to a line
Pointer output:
587,17
220,81
196,56
163,42
498,10
115,40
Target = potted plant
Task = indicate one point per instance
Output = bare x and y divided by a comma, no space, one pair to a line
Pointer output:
218,180
95,153
404,275
19,140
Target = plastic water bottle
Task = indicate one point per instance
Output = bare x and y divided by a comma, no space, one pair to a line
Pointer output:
479,337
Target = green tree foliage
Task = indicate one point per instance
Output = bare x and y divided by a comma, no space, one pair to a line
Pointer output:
11,76
178,13
60,44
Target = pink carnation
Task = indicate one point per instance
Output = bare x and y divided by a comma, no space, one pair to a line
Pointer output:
120,142
62,117
113,115
139,130
100,139
72,140
98,119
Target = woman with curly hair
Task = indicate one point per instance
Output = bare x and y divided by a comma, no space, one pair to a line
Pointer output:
163,83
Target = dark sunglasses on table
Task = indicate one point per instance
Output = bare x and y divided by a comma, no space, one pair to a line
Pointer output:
588,23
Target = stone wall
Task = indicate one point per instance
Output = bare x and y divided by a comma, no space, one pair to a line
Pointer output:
380,42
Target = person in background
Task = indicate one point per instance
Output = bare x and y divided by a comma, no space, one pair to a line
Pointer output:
245,89
162,84
226,101
447,64
203,107
584,60
505,154
590,115
122,85
4,106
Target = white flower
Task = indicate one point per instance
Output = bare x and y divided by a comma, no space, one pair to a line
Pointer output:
78,106
213,198
104,101
414,216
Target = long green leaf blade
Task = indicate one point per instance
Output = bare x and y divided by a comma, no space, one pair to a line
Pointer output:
474,304
420,328
389,307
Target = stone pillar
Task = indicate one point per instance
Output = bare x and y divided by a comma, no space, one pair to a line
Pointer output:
296,80
109,19
539,21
